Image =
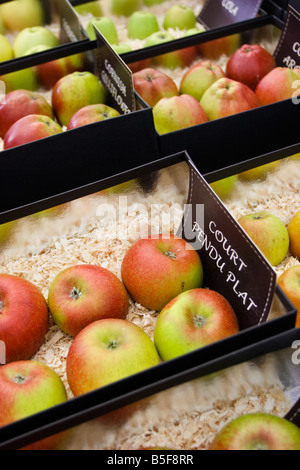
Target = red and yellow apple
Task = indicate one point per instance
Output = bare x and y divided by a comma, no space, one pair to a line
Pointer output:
294,234
278,85
192,320
198,78
82,294
156,269
92,113
24,317
171,60
153,85
213,50
289,281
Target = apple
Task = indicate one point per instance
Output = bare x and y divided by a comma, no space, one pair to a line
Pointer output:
30,128
34,36
6,50
226,97
74,91
107,351
198,78
289,281
277,85
24,317
140,65
121,48
106,26
156,269
153,85
268,233
150,3
224,187
142,24
6,230
177,112
2,27
294,234
20,14
259,172
179,16
82,294
20,103
94,8
92,113
28,388
124,7
192,320
249,64
258,431
171,60
24,78
213,50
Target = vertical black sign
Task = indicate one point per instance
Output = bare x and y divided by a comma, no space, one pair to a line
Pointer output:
232,264
218,13
70,27
115,76
287,53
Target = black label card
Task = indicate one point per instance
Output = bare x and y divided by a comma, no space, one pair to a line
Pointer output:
287,53
232,264
70,27
218,13
115,76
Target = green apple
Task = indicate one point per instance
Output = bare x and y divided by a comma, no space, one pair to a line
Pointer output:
2,27
289,281
258,431
34,36
142,24
19,14
198,78
124,7
268,233
28,388
193,320
150,3
107,351
106,26
121,48
294,234
6,50
74,91
179,16
259,172
224,187
21,79
94,8
171,60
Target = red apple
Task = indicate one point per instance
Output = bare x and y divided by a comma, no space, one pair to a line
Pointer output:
20,103
192,320
289,281
199,77
92,113
177,112
139,65
249,64
83,294
152,85
226,97
156,269
30,128
278,85
258,431
107,351
24,317
27,388
213,50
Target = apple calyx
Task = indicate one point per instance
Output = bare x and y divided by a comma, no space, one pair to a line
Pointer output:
170,254
200,321
75,293
19,379
1,306
259,446
113,344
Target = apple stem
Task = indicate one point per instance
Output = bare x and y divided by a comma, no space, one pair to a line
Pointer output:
75,293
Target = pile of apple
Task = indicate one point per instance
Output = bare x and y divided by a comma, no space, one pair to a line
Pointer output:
208,92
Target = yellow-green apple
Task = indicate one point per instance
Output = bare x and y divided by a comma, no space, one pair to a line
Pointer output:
20,14
213,50
6,50
6,230
277,85
92,113
20,103
177,112
193,320
249,64
74,91
153,85
24,78
28,388
179,16
82,294
34,36
180,58
106,26
30,128
94,8
48,73
289,281
294,234
121,48
226,97
24,317
158,268
268,233
257,431
2,27
198,78
150,3
224,187
142,24
124,7
107,351
259,172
